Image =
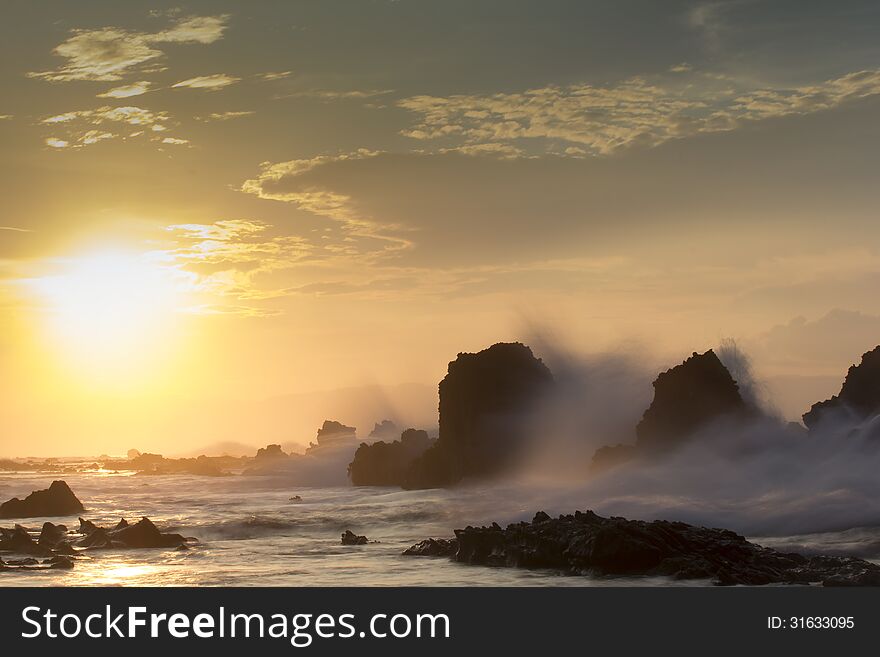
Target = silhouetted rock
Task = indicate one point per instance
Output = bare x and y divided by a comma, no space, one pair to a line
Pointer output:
384,430
350,538
484,400
270,452
588,544
331,437
687,398
142,534
51,534
57,500
433,547
386,464
858,399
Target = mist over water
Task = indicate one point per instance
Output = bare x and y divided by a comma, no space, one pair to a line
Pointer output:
766,477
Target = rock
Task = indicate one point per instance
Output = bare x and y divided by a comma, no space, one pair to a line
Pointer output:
858,399
20,541
57,500
387,464
270,452
142,534
588,544
60,562
51,534
350,538
331,437
687,397
295,498
433,547
384,430
484,400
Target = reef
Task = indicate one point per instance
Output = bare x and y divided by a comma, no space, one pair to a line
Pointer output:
588,544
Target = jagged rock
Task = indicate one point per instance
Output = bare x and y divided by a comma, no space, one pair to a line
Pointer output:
687,398
858,399
270,452
51,534
331,437
588,544
386,464
350,538
19,540
57,500
484,399
142,534
384,430
433,547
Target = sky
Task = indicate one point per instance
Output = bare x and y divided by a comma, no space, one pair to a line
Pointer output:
225,221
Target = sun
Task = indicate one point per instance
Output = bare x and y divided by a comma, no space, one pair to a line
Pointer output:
112,309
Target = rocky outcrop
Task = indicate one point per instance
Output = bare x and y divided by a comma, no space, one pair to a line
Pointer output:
588,544
384,430
142,534
57,500
687,398
858,399
350,538
484,399
331,436
270,452
386,464
156,464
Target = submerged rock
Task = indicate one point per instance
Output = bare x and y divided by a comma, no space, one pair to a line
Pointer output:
57,500
387,464
484,400
858,399
588,544
350,538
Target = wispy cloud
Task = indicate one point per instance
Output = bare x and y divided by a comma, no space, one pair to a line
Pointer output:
225,116
331,95
602,120
109,53
209,82
16,229
83,127
274,75
127,91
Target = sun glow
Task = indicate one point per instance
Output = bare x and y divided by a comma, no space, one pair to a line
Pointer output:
112,311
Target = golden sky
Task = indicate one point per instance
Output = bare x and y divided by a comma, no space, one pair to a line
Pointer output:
219,219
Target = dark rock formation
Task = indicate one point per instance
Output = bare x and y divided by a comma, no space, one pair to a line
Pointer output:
687,398
858,399
270,452
588,544
350,538
57,500
19,540
384,430
51,535
484,399
386,464
331,436
156,464
433,547
142,534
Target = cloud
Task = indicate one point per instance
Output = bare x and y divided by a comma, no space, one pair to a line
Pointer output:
224,116
16,229
107,54
127,91
603,120
175,141
274,75
209,82
83,126
229,259
5,117
329,95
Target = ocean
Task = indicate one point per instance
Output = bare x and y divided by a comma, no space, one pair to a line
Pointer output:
251,533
